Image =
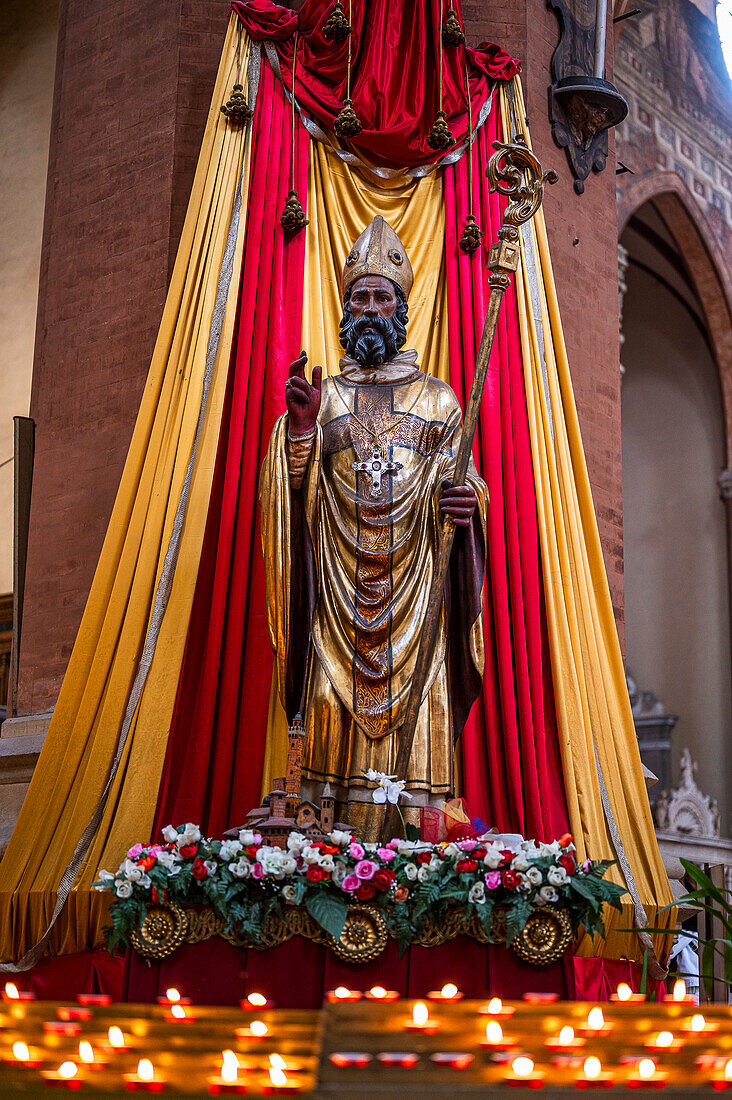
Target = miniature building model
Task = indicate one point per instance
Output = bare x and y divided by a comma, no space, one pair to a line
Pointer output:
287,811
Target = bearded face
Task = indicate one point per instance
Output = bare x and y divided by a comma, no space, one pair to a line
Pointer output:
372,339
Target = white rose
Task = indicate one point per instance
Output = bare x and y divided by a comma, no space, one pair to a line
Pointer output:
170,834
548,893
191,835
339,874
144,881
248,836
310,855
289,865
492,856
326,862
452,850
210,865
534,876
241,869
289,893
523,881
295,841
434,863
133,873
338,836
557,876
520,862
477,893
124,889
410,870
229,849
424,874
167,860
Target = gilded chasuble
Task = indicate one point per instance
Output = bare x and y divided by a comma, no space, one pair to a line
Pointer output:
350,528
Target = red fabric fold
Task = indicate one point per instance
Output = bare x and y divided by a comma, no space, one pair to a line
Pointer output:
215,754
512,774
394,74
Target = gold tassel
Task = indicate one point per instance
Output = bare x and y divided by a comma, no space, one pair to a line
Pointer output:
236,109
293,216
452,32
347,124
337,26
472,235
440,136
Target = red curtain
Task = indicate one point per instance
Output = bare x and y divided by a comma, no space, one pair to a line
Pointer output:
213,766
512,773
395,71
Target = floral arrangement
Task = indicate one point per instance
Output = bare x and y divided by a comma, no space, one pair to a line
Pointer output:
246,881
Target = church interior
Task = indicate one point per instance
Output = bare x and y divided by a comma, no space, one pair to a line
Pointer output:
366,555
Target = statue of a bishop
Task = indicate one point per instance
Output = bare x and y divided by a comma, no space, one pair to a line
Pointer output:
353,489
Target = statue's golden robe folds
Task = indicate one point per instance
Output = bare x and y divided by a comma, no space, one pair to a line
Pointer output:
353,570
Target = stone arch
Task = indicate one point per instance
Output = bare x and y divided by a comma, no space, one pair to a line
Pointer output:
711,274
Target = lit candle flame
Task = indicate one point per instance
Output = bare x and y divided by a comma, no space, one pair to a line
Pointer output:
277,1076
449,991
172,994
493,1031
522,1066
595,1019
592,1068
86,1051
230,1058
258,1027
679,990
377,991
728,1071
21,1052
67,1070
664,1039
646,1068
566,1035
115,1036
229,1072
341,992
495,1005
257,999
698,1023
277,1061
420,1014
178,1012
145,1070
624,992
11,990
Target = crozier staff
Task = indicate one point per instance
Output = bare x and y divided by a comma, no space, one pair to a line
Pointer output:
353,489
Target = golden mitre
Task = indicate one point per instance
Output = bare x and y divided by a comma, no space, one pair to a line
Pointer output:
378,251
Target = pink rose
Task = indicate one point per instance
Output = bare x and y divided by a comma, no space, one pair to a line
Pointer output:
356,850
587,866
135,851
493,879
155,848
394,844
467,845
350,884
366,869
257,870
386,854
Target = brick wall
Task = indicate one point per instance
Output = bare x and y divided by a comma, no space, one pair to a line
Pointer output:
133,85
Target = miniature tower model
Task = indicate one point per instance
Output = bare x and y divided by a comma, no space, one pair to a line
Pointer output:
295,746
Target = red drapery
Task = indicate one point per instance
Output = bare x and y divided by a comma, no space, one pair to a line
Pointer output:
213,766
395,71
512,773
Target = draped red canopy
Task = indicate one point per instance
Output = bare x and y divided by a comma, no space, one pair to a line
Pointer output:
511,766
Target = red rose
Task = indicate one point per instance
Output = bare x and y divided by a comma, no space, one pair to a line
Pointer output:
401,893
568,864
565,840
506,857
188,851
199,870
251,851
315,873
478,853
466,865
424,857
366,890
509,878
383,879
146,863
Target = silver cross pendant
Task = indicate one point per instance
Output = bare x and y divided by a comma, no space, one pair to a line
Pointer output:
376,467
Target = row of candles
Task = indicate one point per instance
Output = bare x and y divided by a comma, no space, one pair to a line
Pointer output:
521,1069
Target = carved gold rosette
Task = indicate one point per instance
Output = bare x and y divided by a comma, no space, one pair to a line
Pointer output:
544,939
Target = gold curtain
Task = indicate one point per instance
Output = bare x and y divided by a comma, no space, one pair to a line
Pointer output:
80,744
592,705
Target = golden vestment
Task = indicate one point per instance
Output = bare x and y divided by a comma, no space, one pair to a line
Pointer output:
350,564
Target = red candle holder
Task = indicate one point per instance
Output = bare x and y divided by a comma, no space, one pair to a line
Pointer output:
452,994
343,995
22,1063
18,995
658,1079
257,1005
508,1042
540,998
602,1081
133,1083
720,1084
533,1080
257,1034
69,1028
350,1058
217,1086
496,1007
53,1079
452,1059
404,1058
661,1047
429,1027
94,998
73,1012
709,1027
565,1046
182,1016
633,998
378,993
288,1087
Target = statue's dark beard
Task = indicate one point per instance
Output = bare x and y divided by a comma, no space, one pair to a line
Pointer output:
371,341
